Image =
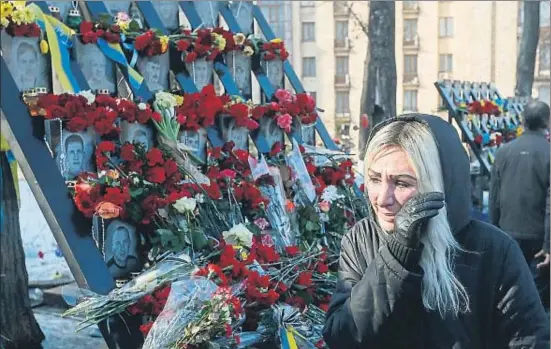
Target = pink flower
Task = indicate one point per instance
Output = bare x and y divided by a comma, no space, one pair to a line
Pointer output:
325,206
261,223
267,240
285,121
284,96
227,173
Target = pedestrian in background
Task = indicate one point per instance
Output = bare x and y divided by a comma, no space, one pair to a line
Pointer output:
519,193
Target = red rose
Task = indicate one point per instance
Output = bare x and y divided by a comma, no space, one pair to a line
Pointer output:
292,250
145,328
77,124
112,38
190,57
105,147
156,116
154,157
283,54
86,26
156,174
305,278
128,152
170,167
89,38
117,196
55,111
269,56
144,40
182,45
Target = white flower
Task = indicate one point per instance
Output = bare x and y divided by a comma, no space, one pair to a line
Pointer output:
331,194
102,173
185,204
164,100
142,106
200,198
90,97
239,235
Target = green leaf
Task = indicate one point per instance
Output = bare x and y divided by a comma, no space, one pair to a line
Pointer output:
157,32
136,192
133,26
199,240
311,226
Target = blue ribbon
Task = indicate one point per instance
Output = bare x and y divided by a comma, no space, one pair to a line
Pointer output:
116,54
130,47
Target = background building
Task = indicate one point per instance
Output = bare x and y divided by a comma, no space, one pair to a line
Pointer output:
463,40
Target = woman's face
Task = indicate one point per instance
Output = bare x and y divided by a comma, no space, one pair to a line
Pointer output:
391,182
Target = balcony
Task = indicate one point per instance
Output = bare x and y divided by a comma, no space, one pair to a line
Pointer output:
342,81
411,42
342,44
410,7
341,9
411,79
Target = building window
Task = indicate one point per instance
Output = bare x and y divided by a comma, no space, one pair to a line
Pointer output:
543,58
445,64
410,30
342,102
410,5
279,16
543,94
446,27
341,33
309,67
307,3
544,14
342,65
308,31
314,95
410,65
410,101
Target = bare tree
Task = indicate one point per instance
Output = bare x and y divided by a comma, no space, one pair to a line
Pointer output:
526,61
18,327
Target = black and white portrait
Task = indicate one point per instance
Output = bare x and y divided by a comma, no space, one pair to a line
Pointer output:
243,13
168,11
115,7
134,132
121,248
74,153
201,72
97,69
154,70
274,72
28,67
208,12
231,132
308,133
195,141
239,66
270,131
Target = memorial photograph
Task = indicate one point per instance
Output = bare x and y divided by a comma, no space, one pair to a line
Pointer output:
121,248
134,132
74,153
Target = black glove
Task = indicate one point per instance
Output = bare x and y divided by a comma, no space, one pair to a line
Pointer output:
410,224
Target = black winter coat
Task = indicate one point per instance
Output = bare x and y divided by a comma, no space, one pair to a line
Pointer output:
377,303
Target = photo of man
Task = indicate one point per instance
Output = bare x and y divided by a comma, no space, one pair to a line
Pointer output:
27,61
74,155
121,248
155,71
240,67
271,132
99,73
208,12
140,136
201,72
169,13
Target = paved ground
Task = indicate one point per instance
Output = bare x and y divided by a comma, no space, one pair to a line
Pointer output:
60,332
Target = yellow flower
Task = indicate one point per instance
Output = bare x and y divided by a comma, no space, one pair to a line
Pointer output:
6,10
44,48
164,43
239,39
18,4
22,16
276,41
248,51
124,26
520,131
4,22
179,100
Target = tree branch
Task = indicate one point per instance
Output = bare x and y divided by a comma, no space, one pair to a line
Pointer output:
357,18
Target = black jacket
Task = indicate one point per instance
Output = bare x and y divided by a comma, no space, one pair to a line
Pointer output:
377,303
519,186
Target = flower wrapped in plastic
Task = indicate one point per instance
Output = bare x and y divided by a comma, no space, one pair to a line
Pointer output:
294,330
197,311
99,307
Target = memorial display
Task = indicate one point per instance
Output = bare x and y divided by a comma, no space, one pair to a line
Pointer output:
210,241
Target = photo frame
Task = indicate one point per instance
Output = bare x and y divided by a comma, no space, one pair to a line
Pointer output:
239,66
229,131
274,71
271,131
243,13
154,70
169,13
28,67
98,70
196,141
208,12
201,71
135,132
73,151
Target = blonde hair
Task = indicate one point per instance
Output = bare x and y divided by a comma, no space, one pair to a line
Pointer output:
441,290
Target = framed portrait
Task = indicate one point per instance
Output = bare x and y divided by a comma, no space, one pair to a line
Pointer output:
308,133
119,241
271,132
229,131
201,72
28,67
98,70
154,70
208,12
243,13
135,132
274,71
169,13
73,151
239,66
195,141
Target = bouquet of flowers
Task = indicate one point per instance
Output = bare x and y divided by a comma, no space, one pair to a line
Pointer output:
18,19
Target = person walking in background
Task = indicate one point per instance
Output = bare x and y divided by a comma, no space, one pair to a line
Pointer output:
519,193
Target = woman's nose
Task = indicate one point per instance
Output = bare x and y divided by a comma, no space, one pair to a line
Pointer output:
385,195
